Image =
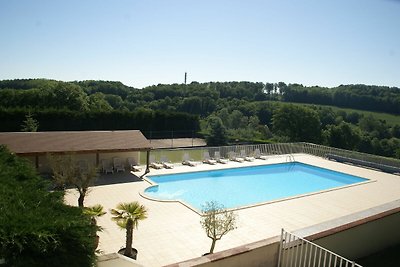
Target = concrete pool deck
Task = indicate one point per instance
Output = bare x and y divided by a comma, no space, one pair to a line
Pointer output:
172,232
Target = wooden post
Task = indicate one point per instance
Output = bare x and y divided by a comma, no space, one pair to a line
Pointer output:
37,161
147,162
97,158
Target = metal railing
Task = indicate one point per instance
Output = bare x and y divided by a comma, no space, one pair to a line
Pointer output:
283,149
295,251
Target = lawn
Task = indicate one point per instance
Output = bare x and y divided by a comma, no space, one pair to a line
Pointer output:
390,119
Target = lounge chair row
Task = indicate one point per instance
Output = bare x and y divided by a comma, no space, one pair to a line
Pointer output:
207,159
235,157
163,163
117,165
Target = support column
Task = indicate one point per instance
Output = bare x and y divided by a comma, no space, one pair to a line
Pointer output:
97,159
147,164
37,161
147,161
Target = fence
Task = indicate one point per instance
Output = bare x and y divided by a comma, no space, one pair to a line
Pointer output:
295,251
287,149
171,134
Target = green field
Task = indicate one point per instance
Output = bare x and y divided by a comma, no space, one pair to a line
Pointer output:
390,119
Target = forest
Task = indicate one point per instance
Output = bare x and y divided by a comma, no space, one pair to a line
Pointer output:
222,112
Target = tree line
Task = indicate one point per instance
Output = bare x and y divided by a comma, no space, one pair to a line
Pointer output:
224,112
359,96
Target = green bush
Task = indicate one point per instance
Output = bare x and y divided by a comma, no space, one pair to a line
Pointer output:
36,227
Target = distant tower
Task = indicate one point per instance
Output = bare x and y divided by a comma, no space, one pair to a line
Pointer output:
185,76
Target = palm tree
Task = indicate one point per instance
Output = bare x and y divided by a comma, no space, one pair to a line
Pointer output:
95,212
127,216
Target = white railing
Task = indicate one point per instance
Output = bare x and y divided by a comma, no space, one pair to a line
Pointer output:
289,149
295,251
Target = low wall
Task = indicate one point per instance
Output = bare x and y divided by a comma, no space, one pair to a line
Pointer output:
364,239
116,260
261,253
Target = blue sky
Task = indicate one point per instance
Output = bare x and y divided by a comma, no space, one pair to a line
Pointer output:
141,43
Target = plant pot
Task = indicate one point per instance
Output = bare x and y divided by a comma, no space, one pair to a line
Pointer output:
134,253
96,241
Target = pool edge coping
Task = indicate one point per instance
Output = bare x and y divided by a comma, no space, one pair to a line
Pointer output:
152,184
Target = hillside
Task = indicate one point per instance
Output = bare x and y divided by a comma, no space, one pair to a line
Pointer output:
222,111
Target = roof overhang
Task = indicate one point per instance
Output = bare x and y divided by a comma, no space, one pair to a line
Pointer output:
34,143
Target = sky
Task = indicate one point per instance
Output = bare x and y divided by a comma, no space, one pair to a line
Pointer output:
148,42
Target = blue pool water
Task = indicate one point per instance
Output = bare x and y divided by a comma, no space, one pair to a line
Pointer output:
248,185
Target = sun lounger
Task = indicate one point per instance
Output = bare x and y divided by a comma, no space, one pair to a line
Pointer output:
133,166
154,164
207,159
106,166
187,161
166,163
83,166
258,155
233,157
245,157
118,165
218,158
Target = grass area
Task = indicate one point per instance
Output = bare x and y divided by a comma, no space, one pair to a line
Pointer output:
389,257
390,119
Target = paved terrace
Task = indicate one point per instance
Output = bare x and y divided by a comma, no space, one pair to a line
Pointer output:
172,232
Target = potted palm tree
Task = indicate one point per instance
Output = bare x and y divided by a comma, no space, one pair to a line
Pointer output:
127,216
95,212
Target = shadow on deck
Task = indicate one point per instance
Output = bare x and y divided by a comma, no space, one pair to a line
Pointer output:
117,178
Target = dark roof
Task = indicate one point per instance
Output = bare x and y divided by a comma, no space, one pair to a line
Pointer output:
74,141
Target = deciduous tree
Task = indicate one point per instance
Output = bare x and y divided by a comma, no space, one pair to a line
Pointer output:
217,136
217,221
66,171
298,123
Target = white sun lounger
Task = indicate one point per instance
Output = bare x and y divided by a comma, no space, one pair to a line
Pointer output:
207,159
166,163
245,157
233,157
154,164
83,166
187,161
106,166
218,158
133,165
118,165
258,155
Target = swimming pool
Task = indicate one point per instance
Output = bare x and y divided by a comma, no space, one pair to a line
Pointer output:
239,187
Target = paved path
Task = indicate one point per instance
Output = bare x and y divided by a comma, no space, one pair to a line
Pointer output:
172,232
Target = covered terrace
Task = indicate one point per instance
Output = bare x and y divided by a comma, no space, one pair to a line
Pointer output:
92,146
